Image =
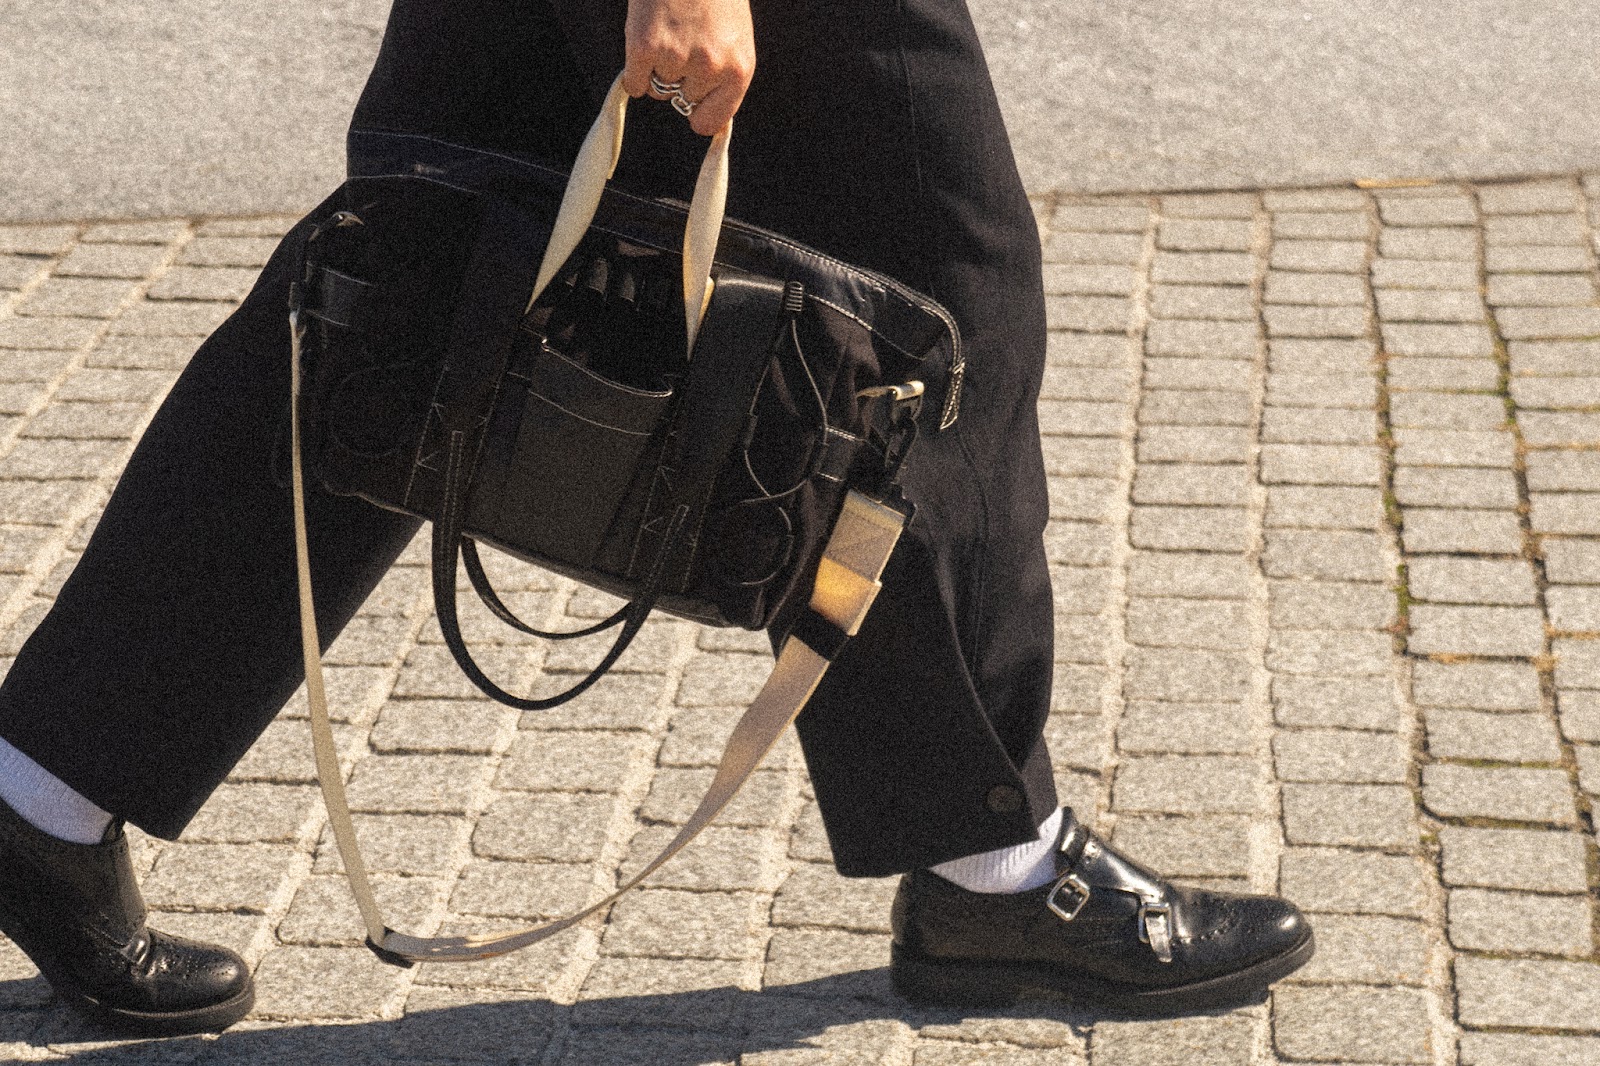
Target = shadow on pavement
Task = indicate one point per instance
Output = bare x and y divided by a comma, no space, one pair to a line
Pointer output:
852,1016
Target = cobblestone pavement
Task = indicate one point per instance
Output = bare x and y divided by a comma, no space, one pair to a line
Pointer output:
1326,534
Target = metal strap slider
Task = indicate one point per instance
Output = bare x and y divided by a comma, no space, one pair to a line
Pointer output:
1155,927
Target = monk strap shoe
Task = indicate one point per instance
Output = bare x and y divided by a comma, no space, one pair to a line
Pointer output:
1106,932
76,911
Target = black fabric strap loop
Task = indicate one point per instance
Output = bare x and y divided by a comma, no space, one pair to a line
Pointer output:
819,634
491,599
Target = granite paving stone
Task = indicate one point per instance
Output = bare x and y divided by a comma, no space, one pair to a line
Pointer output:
1323,507
1190,528
1480,920
1462,487
1476,686
1190,483
1209,205
1316,605
1307,200
1343,815
1579,715
1472,630
1534,993
1529,197
1324,225
1454,447
1326,290
1500,737
1319,464
1352,1023
1397,273
1563,228
1354,882
1357,391
1532,860
1520,794
1556,394
1205,235
855,963
1186,675
1559,429
1455,579
1085,383
1295,321
1301,425
1196,1041
665,924
1191,407
1100,218
1341,756
1367,949
1203,268
1321,256
1108,248
1309,355
1196,575
1570,513
1191,784
1186,623
1329,653
522,890
1218,729
815,895
1326,555
1548,323
324,914
1082,456
1089,280
1452,242
415,844
415,784
1540,290
1563,471
1439,530
675,792
1208,845
1416,372
544,827
1195,373
1427,410
1223,302
1574,609
1213,340
1088,314
1101,350
1527,1049
1194,444
1553,358
1532,259
1427,211
1429,305
1456,341
1571,561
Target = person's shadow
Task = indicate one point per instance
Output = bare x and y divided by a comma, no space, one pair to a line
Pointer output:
846,1018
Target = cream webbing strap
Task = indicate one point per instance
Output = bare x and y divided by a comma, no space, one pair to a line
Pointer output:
597,159
847,582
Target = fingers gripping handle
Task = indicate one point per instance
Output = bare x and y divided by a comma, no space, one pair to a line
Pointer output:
597,160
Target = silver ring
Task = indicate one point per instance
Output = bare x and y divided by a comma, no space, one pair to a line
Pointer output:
672,92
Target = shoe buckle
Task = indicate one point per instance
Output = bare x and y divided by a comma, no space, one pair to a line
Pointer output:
1080,895
1155,927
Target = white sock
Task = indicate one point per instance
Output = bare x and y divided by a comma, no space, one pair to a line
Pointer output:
1014,869
46,802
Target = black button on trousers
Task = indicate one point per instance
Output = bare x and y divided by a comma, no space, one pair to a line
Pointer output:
871,132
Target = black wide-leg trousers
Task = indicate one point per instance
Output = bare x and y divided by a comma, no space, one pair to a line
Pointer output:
872,132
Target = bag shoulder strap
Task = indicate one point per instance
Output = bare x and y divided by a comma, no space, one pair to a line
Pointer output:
847,581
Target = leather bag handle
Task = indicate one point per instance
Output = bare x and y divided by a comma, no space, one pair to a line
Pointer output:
596,162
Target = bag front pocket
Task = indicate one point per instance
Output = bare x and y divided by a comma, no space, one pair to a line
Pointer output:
563,448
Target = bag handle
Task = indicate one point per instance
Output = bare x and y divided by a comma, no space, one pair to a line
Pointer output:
596,162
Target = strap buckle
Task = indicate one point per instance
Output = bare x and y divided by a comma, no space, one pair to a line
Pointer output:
1080,896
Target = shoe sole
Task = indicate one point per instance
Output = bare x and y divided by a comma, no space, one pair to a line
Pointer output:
960,984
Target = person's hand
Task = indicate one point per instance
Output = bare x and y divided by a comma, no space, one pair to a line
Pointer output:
707,46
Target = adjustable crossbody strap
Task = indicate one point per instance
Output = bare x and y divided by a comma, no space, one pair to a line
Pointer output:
847,581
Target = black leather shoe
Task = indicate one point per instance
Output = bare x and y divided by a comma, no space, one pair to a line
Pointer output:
1106,932
76,911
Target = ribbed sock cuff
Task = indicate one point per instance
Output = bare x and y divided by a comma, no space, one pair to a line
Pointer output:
1014,869
46,802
